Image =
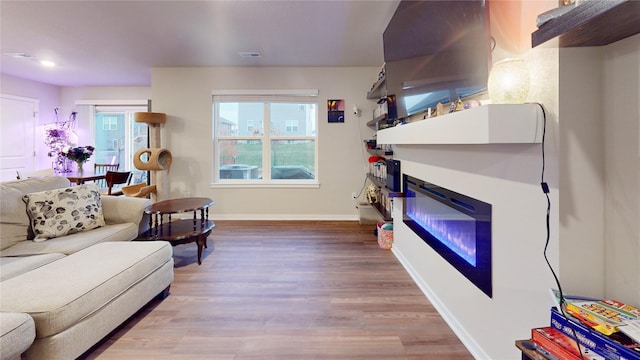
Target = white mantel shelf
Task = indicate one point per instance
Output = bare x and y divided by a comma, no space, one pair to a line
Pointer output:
487,124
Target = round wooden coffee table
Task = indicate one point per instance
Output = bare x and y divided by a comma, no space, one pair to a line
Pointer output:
180,231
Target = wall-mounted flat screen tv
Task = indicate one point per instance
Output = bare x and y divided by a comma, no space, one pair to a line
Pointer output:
436,52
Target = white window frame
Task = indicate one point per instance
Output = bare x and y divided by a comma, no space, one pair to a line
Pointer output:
266,97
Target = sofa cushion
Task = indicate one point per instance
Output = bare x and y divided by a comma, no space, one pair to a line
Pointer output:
17,332
59,212
72,243
100,274
14,222
11,266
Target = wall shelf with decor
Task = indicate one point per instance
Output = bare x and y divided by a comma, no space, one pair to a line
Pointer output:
488,124
592,23
380,122
380,183
380,152
376,177
386,195
385,114
377,91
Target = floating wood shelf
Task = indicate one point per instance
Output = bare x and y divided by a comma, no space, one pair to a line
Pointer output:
380,152
380,183
592,23
376,90
488,124
380,122
386,215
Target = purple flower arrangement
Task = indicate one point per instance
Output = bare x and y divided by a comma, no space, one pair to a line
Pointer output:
78,153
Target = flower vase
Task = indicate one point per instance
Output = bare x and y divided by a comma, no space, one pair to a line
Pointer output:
80,163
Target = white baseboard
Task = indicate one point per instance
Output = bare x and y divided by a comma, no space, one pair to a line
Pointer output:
282,217
474,348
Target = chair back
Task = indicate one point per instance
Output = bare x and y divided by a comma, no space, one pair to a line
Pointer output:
99,169
35,173
113,178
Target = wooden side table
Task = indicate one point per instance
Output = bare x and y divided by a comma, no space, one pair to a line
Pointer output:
180,231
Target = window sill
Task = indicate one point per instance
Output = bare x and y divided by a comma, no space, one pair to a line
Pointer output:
255,185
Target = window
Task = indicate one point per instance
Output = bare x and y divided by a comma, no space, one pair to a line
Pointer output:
265,139
109,123
249,125
292,126
123,138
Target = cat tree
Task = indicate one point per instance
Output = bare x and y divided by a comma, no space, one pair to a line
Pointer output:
154,159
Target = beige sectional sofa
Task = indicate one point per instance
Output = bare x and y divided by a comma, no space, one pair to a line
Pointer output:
62,293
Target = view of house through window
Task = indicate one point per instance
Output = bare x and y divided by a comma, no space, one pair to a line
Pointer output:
265,141
118,137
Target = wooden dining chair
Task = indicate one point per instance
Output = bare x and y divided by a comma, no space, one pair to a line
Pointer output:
114,178
99,169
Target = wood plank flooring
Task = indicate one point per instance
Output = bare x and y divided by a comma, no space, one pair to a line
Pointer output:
286,290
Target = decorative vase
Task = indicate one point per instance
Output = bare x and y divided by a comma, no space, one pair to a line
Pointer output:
80,163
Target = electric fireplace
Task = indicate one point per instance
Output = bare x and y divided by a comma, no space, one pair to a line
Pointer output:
456,226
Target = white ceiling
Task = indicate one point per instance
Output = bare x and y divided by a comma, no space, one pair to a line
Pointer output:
116,43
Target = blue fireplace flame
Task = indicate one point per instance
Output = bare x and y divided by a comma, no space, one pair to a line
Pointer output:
452,228
456,226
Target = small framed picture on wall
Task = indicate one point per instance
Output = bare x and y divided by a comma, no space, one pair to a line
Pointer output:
335,109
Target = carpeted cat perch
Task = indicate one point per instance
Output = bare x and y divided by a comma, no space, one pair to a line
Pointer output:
154,159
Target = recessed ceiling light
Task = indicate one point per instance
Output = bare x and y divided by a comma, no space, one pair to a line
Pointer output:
249,54
26,56
47,63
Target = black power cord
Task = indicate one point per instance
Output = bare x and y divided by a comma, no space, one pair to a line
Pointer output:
545,190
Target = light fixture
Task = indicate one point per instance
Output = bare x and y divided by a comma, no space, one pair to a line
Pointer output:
27,56
47,63
249,54
509,82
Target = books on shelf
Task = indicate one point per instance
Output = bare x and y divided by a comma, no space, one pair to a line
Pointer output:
604,315
604,329
614,347
554,344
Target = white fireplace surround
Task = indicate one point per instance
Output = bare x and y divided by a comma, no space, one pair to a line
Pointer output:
488,124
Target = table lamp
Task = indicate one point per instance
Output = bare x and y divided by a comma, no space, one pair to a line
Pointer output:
509,82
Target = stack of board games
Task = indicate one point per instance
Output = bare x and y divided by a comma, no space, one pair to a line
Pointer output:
616,346
589,329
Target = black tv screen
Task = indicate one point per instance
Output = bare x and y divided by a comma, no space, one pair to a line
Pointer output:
436,51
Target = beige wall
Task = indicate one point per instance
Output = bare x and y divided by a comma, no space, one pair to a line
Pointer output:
600,170
185,95
621,129
581,171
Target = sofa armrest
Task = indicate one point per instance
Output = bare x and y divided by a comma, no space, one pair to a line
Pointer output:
123,209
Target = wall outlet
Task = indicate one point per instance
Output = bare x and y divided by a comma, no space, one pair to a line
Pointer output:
354,195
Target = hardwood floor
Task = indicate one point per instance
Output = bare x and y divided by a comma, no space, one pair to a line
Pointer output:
287,290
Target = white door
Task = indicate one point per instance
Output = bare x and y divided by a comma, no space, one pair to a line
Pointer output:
17,135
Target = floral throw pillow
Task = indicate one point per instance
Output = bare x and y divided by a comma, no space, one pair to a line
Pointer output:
64,211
